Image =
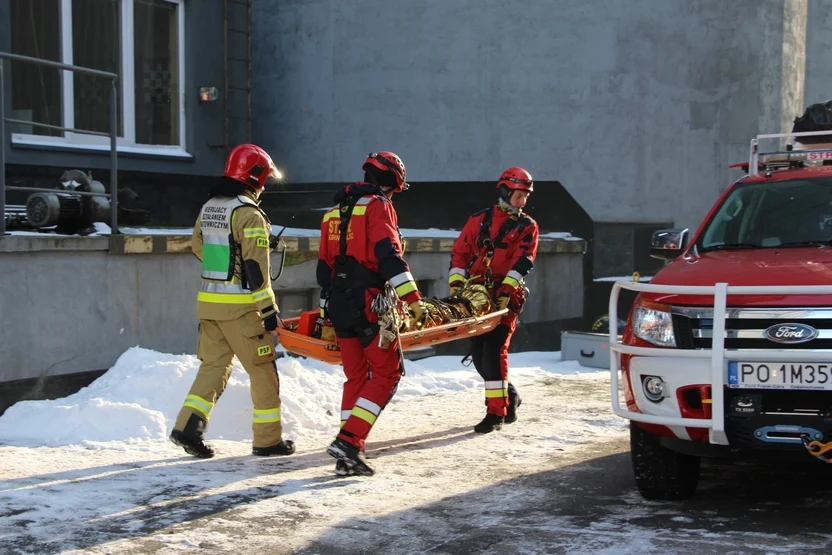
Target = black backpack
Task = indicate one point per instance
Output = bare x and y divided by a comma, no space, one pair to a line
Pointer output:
817,117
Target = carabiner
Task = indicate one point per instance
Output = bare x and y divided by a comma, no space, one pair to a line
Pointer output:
489,274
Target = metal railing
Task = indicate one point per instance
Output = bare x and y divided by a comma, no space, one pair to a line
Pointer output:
754,152
717,354
113,134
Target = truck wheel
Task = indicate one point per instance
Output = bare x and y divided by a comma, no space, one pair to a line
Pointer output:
661,474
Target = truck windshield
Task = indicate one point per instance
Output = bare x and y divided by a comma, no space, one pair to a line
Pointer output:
772,214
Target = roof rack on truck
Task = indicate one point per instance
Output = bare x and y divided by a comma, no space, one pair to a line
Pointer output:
796,154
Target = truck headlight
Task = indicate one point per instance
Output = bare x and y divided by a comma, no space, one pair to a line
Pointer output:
652,323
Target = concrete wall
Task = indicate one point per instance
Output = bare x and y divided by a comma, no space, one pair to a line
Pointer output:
819,52
71,304
637,107
95,307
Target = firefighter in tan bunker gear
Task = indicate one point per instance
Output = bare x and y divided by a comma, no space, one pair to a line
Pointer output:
236,306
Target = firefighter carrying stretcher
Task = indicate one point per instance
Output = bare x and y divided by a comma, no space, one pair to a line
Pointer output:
497,248
360,253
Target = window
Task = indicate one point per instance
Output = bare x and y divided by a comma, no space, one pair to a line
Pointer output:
36,90
157,73
139,40
96,43
773,214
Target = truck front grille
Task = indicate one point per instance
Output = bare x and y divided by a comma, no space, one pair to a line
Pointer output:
693,327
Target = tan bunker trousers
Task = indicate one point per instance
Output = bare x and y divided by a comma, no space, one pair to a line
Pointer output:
219,341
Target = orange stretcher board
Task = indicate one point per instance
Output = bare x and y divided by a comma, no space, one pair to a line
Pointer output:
327,351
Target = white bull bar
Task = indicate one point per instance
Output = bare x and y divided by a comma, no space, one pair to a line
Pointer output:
717,352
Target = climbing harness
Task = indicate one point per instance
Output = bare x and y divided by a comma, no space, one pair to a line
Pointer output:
386,306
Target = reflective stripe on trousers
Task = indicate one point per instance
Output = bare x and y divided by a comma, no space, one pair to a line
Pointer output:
496,389
199,404
266,416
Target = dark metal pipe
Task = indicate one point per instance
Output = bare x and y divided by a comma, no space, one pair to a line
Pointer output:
113,160
56,127
58,191
57,65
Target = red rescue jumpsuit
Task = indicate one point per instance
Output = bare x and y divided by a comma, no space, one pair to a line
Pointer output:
498,248
372,256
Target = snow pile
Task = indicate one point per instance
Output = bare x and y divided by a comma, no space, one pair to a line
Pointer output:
139,397
101,229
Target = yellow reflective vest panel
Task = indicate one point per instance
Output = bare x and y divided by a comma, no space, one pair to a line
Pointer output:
231,239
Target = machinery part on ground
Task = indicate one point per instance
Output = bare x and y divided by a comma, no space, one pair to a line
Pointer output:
70,213
16,217
48,209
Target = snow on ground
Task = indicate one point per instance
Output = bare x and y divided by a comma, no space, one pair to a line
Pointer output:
94,472
137,400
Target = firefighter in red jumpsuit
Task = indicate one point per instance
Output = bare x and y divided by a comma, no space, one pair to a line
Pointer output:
497,248
361,251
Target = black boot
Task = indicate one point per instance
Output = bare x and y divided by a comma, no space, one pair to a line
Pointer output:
190,439
193,445
488,424
350,456
341,469
514,401
282,448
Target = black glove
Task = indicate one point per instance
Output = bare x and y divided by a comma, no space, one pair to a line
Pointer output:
270,322
504,294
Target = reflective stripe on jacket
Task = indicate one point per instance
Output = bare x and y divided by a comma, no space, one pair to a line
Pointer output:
231,238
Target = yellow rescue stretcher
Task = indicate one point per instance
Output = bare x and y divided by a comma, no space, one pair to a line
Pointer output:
467,314
296,337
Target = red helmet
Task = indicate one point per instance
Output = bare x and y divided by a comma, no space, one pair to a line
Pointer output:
516,179
251,165
389,162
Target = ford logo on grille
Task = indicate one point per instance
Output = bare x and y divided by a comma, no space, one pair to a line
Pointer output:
790,333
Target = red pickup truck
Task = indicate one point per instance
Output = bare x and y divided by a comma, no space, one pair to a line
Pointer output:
728,350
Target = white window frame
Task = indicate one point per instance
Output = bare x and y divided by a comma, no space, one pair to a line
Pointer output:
126,143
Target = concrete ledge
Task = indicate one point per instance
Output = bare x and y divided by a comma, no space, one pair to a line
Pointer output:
94,305
178,244
149,244
44,242
562,245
